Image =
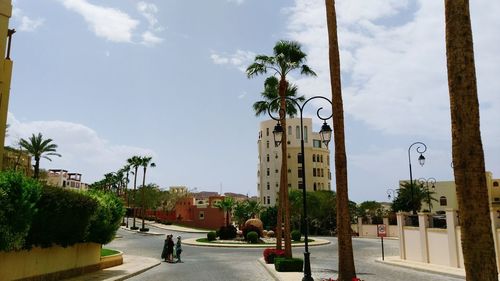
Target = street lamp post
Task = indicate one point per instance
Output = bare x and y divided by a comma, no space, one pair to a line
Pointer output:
421,148
432,182
392,193
326,134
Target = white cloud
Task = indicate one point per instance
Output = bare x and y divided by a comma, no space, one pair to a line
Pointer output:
109,23
82,149
240,59
150,39
149,11
26,23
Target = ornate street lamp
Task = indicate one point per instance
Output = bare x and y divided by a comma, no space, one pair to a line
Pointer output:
326,134
392,193
421,148
427,182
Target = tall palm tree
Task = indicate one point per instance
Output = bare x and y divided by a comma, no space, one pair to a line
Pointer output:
134,162
39,148
226,205
270,93
347,270
468,156
145,162
288,56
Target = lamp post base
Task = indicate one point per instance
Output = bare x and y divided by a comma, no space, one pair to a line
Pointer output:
307,268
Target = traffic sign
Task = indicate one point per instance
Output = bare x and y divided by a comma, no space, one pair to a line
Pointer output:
381,230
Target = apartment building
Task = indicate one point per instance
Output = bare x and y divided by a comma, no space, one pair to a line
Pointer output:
61,178
317,160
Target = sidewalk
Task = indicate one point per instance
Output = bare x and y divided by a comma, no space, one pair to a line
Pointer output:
421,266
132,265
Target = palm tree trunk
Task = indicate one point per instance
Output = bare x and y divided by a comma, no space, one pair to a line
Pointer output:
347,270
468,156
284,171
36,173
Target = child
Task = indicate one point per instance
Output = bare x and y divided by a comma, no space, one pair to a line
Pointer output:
178,249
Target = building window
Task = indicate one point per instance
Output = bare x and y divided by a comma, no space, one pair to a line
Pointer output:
322,173
443,201
289,156
314,187
268,172
276,156
305,133
317,143
290,130
314,172
276,171
300,185
314,157
299,173
297,132
267,132
495,184
289,170
268,199
289,185
267,157
277,185
268,186
299,158
201,215
321,158
267,144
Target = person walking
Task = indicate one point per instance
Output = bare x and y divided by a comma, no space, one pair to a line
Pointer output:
178,249
170,248
164,251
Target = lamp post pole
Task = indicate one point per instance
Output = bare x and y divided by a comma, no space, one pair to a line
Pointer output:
325,133
428,181
421,148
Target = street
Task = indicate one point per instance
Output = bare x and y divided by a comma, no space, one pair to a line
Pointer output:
220,264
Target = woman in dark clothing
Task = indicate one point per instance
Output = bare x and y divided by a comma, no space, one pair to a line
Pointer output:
170,248
164,251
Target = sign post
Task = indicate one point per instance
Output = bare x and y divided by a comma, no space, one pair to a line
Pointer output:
382,232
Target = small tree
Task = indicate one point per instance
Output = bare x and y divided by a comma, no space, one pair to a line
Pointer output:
226,205
39,148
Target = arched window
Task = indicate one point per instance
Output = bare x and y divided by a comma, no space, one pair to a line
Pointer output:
267,144
267,157
314,157
443,201
268,186
289,130
297,132
495,184
314,187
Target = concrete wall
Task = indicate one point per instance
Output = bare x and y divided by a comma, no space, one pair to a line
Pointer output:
56,261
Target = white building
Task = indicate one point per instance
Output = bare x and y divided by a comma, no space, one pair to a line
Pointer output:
61,178
317,160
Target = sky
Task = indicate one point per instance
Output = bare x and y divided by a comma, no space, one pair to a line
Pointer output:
110,79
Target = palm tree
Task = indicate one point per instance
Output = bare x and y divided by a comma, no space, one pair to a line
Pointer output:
270,93
347,270
288,56
134,162
39,148
145,162
226,205
468,156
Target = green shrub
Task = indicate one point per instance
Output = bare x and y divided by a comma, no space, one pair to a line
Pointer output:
249,228
227,232
252,237
63,218
18,196
296,235
211,236
288,265
107,217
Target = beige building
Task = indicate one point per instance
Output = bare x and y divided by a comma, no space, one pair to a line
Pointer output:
446,197
61,178
317,160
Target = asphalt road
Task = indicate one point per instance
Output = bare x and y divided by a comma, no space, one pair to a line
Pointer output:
221,264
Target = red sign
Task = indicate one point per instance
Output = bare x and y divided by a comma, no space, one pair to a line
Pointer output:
381,230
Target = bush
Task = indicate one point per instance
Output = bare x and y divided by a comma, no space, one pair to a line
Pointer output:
107,217
288,265
270,254
211,236
63,218
227,232
296,235
252,237
251,228
18,196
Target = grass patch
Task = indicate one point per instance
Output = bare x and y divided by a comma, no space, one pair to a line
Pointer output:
108,252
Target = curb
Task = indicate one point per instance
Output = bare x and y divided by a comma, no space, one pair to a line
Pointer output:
193,242
137,272
271,272
424,267
140,232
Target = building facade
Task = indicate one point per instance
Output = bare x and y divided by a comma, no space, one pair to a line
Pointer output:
61,178
317,160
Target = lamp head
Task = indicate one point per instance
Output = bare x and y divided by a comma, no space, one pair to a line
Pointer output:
278,134
325,133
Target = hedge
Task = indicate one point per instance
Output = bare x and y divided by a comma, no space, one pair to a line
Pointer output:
107,217
18,195
296,235
288,265
63,218
270,254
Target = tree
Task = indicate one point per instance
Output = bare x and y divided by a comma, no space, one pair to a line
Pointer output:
347,270
226,205
371,211
246,209
467,149
39,148
270,93
145,162
403,200
288,56
134,162
268,217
